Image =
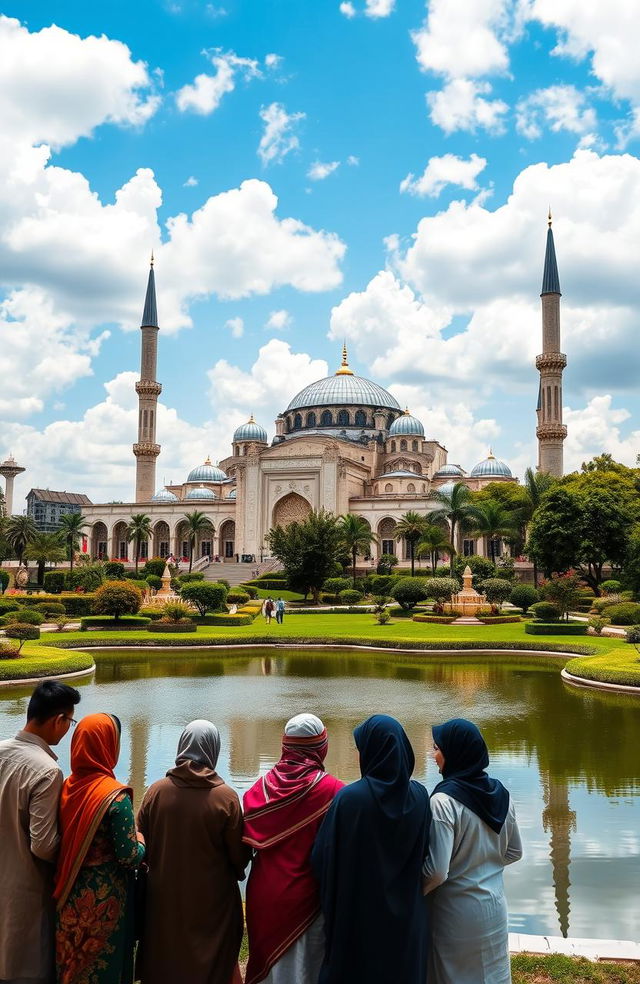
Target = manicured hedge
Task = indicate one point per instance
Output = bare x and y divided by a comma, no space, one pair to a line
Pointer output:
214,619
626,613
172,627
109,622
54,581
74,604
498,619
556,628
440,619
26,616
153,613
342,610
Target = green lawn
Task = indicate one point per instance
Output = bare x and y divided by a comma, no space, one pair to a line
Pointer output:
527,969
44,661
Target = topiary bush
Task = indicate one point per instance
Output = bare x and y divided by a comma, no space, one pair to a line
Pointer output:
26,616
386,563
9,649
78,604
349,596
556,628
4,582
597,623
22,633
381,584
524,596
175,611
117,598
633,635
334,585
481,568
611,586
545,611
626,613
186,625
251,590
237,597
207,596
496,590
9,606
408,591
155,566
111,622
54,581
228,619
114,570
154,581
440,589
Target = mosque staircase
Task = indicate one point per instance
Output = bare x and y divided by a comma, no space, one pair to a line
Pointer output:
238,573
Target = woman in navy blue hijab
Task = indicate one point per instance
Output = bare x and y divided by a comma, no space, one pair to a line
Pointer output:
368,857
474,834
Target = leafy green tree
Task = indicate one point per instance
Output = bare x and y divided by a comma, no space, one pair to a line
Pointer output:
440,589
632,560
523,596
197,524
494,522
45,548
496,590
308,550
386,563
434,541
71,527
139,529
117,598
207,596
457,507
408,591
19,531
410,527
562,590
356,538
481,568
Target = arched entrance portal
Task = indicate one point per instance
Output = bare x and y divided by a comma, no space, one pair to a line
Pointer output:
292,508
386,537
161,539
99,541
227,540
120,547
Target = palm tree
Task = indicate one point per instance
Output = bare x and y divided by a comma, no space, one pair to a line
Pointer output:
139,529
45,548
19,531
410,527
71,527
356,537
434,541
494,522
197,523
456,507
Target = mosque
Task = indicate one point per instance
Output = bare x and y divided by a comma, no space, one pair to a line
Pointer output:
342,443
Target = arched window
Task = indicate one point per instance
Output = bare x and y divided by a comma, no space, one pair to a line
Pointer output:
361,418
403,445
343,418
388,487
326,420
311,419
411,487
393,445
297,422
414,445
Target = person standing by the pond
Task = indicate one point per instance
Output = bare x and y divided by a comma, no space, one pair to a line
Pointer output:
368,858
280,606
283,811
30,785
192,824
474,834
99,852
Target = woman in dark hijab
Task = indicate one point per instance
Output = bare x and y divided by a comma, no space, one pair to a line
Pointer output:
367,858
474,834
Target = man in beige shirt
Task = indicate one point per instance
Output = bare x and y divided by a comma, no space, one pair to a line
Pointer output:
30,784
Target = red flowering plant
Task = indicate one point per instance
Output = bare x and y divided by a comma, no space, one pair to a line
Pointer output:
563,590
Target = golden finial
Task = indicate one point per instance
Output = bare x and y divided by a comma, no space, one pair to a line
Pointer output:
344,369
491,454
549,218
208,460
251,420
406,412
151,257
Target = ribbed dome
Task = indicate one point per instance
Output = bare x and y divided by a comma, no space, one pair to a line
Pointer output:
206,473
343,390
406,426
401,474
163,495
200,492
446,489
251,431
491,467
232,494
448,470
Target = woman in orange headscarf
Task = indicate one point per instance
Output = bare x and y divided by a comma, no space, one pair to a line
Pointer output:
99,851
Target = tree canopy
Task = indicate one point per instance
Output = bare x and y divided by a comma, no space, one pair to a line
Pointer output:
308,551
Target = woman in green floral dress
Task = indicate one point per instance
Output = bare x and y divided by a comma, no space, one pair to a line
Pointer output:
99,853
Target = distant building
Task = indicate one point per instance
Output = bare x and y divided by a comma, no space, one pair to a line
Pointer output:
46,507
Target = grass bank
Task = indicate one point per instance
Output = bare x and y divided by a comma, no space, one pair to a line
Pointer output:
43,661
556,969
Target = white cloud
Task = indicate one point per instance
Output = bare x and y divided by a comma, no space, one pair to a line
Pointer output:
235,326
462,39
278,321
56,87
191,182
272,60
461,105
443,171
347,9
279,138
319,170
379,8
205,94
560,107
216,13
352,160
596,428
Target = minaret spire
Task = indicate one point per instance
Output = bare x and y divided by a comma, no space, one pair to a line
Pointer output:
148,389
550,431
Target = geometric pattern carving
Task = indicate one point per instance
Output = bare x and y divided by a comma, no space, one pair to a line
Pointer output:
292,508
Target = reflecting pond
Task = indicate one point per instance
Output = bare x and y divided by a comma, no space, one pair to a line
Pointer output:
570,758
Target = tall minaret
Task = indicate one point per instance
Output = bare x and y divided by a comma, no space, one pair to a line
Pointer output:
148,389
550,431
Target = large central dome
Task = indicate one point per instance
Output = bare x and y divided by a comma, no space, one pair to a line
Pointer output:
343,389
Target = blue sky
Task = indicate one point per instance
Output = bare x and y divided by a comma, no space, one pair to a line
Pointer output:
374,171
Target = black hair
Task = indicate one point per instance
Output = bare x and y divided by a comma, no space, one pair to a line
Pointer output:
51,698
118,723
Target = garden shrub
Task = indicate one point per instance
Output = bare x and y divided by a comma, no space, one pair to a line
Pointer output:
545,611
439,619
54,581
251,590
207,596
237,597
597,623
600,604
117,598
524,596
556,628
496,590
138,583
187,578
114,570
383,617
562,590
633,635
155,566
223,580
9,606
61,622
175,611
481,568
154,613
26,616
386,563
626,613
611,586
22,633
334,585
349,596
87,576
4,582
381,584
228,619
186,625
271,583
440,589
409,591
111,622
78,604
498,619
9,649
154,581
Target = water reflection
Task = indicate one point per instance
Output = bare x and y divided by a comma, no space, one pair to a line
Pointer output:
569,758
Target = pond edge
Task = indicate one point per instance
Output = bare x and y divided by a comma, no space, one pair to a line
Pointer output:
578,681
18,681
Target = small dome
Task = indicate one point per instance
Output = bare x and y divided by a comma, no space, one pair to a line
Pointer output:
449,470
163,495
251,431
401,474
491,467
446,489
406,426
200,492
206,473
232,494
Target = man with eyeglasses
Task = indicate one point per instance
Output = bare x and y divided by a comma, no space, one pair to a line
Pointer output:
30,785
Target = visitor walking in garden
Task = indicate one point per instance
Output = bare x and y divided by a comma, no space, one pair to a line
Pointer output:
192,824
99,853
368,858
30,785
283,811
268,608
280,606
474,834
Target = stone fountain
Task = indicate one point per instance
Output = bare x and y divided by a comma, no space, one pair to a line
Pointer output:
165,593
468,601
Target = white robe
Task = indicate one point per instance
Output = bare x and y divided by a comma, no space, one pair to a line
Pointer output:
468,910
302,961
